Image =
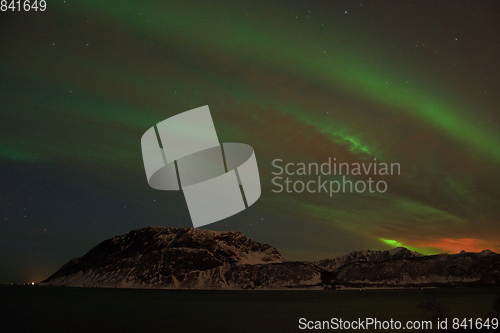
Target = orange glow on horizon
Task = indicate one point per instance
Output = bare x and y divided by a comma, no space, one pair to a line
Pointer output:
456,245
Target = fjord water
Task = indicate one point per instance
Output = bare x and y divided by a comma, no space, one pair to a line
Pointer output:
64,309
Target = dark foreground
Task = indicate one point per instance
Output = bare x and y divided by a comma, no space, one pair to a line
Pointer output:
60,309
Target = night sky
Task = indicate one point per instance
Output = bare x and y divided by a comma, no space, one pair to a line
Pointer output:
409,82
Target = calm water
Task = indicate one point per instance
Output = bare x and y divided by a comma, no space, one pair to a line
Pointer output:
59,309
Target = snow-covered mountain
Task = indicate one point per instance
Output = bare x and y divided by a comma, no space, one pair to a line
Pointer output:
335,263
188,258
158,257
444,270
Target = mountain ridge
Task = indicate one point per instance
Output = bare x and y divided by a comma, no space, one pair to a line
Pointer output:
190,258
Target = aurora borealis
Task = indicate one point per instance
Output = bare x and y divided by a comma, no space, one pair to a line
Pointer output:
414,83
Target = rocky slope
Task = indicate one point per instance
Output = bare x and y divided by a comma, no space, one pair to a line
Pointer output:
457,270
188,258
333,264
158,257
